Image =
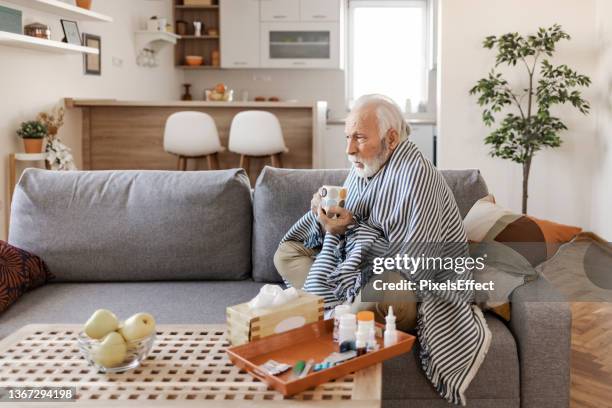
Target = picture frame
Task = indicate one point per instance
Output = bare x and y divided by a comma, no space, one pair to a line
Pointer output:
71,32
92,63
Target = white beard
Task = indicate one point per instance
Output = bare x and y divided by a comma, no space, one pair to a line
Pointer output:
371,167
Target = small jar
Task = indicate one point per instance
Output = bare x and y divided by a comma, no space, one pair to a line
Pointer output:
339,311
365,321
347,328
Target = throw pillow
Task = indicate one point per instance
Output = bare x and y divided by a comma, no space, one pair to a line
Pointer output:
536,240
515,244
20,271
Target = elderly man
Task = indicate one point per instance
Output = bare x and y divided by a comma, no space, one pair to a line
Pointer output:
397,204
374,129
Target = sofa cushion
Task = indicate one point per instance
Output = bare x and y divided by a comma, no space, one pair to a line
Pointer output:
135,225
496,380
169,302
282,196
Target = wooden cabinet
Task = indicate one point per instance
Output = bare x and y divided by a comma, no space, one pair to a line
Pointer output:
319,10
205,45
280,10
239,33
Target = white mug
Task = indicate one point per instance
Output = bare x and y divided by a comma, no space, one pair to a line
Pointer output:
333,196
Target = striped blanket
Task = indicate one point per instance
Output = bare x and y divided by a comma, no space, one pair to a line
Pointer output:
407,209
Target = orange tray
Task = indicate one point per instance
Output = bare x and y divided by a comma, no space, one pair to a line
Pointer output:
312,341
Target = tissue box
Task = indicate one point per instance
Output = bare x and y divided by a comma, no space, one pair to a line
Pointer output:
245,324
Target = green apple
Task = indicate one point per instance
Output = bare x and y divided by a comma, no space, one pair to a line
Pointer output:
111,351
137,327
101,323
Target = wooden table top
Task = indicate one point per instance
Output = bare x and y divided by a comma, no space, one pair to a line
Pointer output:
187,366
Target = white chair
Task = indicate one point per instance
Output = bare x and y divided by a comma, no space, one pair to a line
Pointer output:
192,135
257,134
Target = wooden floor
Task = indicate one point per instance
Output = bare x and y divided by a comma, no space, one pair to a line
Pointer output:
591,355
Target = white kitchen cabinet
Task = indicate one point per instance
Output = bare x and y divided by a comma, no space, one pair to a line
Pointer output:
319,10
300,45
240,28
422,135
280,10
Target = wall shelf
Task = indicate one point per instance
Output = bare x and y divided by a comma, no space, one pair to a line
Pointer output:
40,44
199,37
182,7
196,67
145,39
63,9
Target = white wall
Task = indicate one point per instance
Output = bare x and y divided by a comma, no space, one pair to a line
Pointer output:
561,185
602,158
32,81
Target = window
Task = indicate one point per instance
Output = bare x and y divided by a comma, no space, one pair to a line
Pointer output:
389,50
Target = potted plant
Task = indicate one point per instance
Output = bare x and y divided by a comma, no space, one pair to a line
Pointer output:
529,126
32,132
59,156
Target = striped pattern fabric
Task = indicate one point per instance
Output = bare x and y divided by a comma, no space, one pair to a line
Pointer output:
407,209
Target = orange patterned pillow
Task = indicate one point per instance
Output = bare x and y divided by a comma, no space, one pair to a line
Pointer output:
20,271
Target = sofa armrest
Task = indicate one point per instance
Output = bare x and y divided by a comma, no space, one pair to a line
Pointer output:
541,323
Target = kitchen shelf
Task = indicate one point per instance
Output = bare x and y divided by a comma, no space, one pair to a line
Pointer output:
63,9
196,7
146,37
199,37
24,41
196,67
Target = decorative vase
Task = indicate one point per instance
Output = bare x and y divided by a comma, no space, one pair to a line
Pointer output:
33,145
86,4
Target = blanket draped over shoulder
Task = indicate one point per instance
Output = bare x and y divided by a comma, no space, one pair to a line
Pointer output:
406,209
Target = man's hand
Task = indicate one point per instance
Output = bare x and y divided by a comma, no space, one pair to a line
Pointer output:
339,225
315,203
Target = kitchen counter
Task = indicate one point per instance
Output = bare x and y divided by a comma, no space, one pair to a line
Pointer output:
123,134
79,103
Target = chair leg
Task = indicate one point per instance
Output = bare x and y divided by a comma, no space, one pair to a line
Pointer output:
179,165
215,161
244,162
184,164
278,159
273,160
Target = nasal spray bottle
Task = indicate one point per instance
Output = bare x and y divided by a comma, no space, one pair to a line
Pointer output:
390,332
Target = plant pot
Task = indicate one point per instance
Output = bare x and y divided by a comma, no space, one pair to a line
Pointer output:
86,4
33,145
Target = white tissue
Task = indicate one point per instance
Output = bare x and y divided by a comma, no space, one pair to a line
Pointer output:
272,295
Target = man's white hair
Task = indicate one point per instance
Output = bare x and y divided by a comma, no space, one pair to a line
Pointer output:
389,115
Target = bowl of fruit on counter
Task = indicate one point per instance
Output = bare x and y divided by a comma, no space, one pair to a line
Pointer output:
219,93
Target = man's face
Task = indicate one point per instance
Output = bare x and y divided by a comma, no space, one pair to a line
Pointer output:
365,147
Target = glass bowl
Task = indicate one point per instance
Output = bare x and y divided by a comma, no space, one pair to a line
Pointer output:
137,351
211,95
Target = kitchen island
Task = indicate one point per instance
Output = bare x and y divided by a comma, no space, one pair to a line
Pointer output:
129,134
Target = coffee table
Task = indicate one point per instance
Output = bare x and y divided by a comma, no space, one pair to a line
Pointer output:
187,366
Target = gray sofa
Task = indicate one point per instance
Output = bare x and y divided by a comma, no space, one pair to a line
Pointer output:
183,246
